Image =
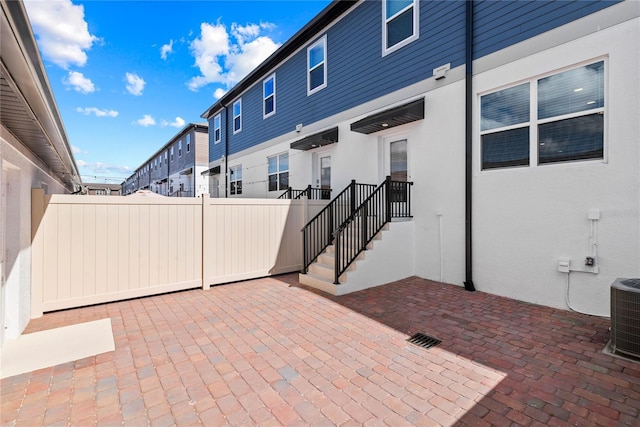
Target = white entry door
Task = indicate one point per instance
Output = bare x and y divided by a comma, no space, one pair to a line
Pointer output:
323,175
395,159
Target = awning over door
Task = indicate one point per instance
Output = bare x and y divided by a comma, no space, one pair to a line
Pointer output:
396,116
213,171
319,139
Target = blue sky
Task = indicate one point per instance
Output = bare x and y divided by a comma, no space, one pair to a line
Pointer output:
129,75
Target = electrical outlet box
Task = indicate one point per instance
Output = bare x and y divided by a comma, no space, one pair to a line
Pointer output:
564,265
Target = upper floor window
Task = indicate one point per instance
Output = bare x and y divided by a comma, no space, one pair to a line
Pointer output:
400,24
269,96
317,66
180,148
171,153
217,131
235,180
155,164
188,143
559,118
278,172
165,157
237,116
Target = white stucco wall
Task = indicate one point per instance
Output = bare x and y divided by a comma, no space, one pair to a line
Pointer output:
524,219
23,172
527,218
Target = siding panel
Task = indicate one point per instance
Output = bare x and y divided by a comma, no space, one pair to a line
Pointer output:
499,24
355,66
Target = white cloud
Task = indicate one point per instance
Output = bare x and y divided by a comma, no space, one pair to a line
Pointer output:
166,49
146,120
225,57
79,82
97,112
219,93
77,150
62,32
135,84
177,123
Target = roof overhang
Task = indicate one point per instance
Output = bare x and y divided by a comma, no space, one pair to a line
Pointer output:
213,171
392,117
29,110
319,139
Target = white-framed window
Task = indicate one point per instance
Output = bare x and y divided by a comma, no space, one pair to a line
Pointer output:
217,129
171,153
165,158
155,164
101,193
235,180
237,116
188,137
400,24
317,66
180,148
269,96
278,172
555,118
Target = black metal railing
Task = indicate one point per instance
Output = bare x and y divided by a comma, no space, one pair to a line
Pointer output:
310,193
392,199
319,231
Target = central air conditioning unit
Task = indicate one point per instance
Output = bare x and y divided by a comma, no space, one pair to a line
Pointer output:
625,317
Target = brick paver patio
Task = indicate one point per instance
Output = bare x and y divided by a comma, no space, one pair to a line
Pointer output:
271,352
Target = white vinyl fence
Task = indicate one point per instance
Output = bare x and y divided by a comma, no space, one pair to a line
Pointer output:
95,249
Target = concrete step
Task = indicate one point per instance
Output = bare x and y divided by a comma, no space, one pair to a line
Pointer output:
317,282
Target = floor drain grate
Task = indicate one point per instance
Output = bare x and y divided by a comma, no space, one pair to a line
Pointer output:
423,340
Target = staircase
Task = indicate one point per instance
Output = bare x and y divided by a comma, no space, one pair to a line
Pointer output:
333,244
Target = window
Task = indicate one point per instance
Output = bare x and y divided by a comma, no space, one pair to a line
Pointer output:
180,148
269,96
217,131
188,143
171,153
278,172
237,116
235,180
155,164
400,24
317,66
165,157
562,114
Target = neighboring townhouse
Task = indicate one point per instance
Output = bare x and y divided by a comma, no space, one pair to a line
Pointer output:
100,189
178,169
34,153
516,121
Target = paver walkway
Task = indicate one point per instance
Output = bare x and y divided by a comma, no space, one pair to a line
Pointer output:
271,352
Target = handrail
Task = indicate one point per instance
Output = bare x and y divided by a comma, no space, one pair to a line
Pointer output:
391,199
318,232
310,193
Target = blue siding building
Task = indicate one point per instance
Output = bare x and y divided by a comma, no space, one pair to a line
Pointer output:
514,120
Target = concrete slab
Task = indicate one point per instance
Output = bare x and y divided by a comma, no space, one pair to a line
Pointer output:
52,347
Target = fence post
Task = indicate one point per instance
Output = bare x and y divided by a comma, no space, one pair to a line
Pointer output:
304,250
203,247
337,254
363,220
353,197
387,195
37,255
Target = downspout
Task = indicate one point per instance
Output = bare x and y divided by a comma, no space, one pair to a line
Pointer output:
226,151
468,284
